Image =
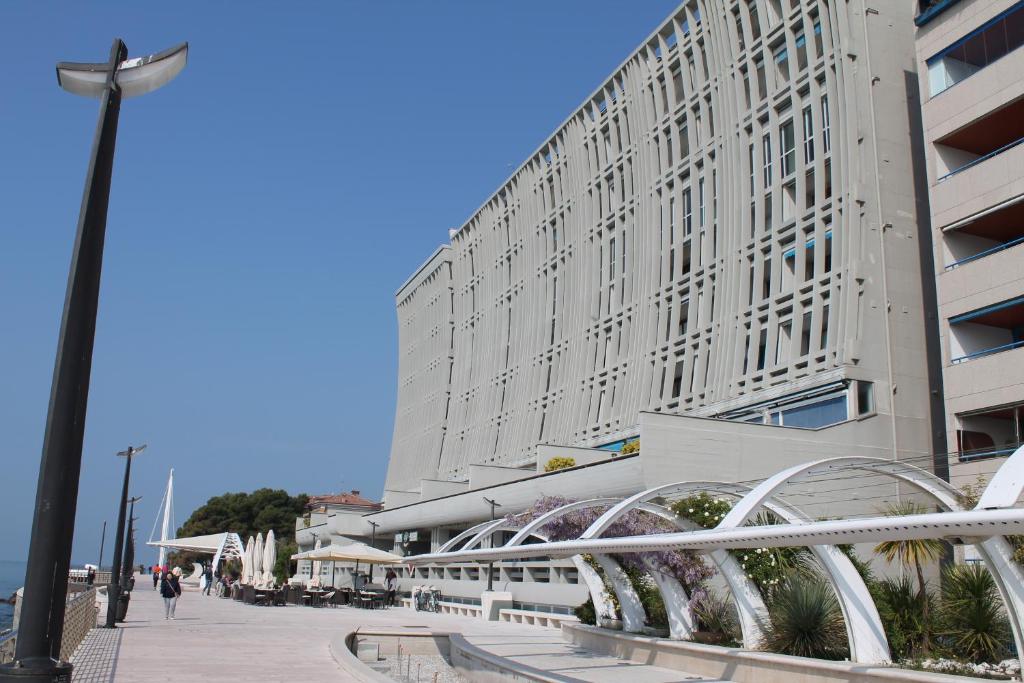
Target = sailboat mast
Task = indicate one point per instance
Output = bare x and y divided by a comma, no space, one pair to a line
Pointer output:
165,530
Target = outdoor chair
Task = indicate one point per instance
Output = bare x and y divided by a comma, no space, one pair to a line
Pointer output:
280,597
341,596
249,595
328,598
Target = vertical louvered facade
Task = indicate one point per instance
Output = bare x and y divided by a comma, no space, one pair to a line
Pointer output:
730,218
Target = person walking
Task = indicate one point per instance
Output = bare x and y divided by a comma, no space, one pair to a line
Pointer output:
170,590
391,586
156,576
208,575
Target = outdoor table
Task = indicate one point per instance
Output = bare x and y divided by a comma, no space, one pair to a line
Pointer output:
315,595
265,593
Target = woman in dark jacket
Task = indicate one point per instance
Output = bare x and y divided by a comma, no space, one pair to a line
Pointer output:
170,590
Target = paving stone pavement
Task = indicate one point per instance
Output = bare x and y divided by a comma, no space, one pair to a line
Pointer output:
214,639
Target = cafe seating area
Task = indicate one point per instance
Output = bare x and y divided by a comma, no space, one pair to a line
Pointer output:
370,596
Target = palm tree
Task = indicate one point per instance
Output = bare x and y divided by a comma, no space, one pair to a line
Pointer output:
912,553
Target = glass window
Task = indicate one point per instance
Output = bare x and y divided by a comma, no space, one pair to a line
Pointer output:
808,120
976,50
814,415
766,158
826,139
787,154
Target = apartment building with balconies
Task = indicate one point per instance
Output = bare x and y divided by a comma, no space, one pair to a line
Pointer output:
972,64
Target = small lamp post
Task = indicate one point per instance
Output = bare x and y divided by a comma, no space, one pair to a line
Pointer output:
114,587
490,564
41,626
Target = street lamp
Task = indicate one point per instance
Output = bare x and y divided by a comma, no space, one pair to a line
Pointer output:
373,539
114,587
490,541
41,625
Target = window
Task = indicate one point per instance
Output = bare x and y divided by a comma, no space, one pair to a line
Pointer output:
865,398
782,62
801,51
700,201
988,330
805,334
687,212
826,139
782,342
787,155
990,432
762,345
766,159
808,119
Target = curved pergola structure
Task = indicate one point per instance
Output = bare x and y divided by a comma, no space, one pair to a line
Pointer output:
866,636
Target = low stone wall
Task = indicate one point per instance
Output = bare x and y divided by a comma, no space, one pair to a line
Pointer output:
738,665
480,666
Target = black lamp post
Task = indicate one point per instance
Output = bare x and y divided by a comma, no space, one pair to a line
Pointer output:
490,564
114,587
373,539
37,653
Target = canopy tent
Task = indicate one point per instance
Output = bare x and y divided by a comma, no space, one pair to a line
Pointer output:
350,552
225,545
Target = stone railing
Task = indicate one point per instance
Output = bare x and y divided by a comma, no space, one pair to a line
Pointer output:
79,619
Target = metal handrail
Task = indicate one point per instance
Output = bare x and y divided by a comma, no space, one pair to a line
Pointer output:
986,352
1000,247
977,161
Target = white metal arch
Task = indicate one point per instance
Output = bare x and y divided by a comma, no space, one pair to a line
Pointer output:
674,595
995,552
865,633
471,531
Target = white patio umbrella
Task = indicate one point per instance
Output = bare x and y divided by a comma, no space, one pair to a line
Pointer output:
315,579
269,559
247,562
257,561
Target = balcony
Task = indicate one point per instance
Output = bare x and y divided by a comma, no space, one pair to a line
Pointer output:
990,433
984,235
979,141
975,51
986,331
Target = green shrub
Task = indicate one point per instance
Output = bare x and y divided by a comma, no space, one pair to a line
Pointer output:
971,614
650,597
586,613
805,620
631,447
907,624
559,463
766,567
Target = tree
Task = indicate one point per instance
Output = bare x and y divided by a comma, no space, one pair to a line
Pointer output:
912,553
246,514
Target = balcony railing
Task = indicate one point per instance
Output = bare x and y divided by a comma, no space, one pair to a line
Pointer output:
987,352
975,162
987,252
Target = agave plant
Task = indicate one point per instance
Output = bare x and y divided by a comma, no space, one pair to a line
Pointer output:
805,620
972,615
717,618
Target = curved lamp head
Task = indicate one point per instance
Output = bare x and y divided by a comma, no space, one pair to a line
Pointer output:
134,77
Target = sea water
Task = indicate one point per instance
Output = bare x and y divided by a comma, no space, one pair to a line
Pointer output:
12,577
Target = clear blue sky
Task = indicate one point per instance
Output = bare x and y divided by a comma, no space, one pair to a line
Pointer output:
265,207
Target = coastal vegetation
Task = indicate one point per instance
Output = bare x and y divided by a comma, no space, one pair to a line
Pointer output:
246,514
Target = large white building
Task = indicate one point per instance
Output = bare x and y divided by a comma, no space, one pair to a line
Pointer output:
723,251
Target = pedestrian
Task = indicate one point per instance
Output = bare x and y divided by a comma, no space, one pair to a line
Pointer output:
90,576
156,576
391,586
208,575
170,590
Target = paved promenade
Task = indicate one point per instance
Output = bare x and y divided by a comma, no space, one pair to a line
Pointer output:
223,640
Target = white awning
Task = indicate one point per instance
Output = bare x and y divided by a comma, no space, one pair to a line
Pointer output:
200,544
